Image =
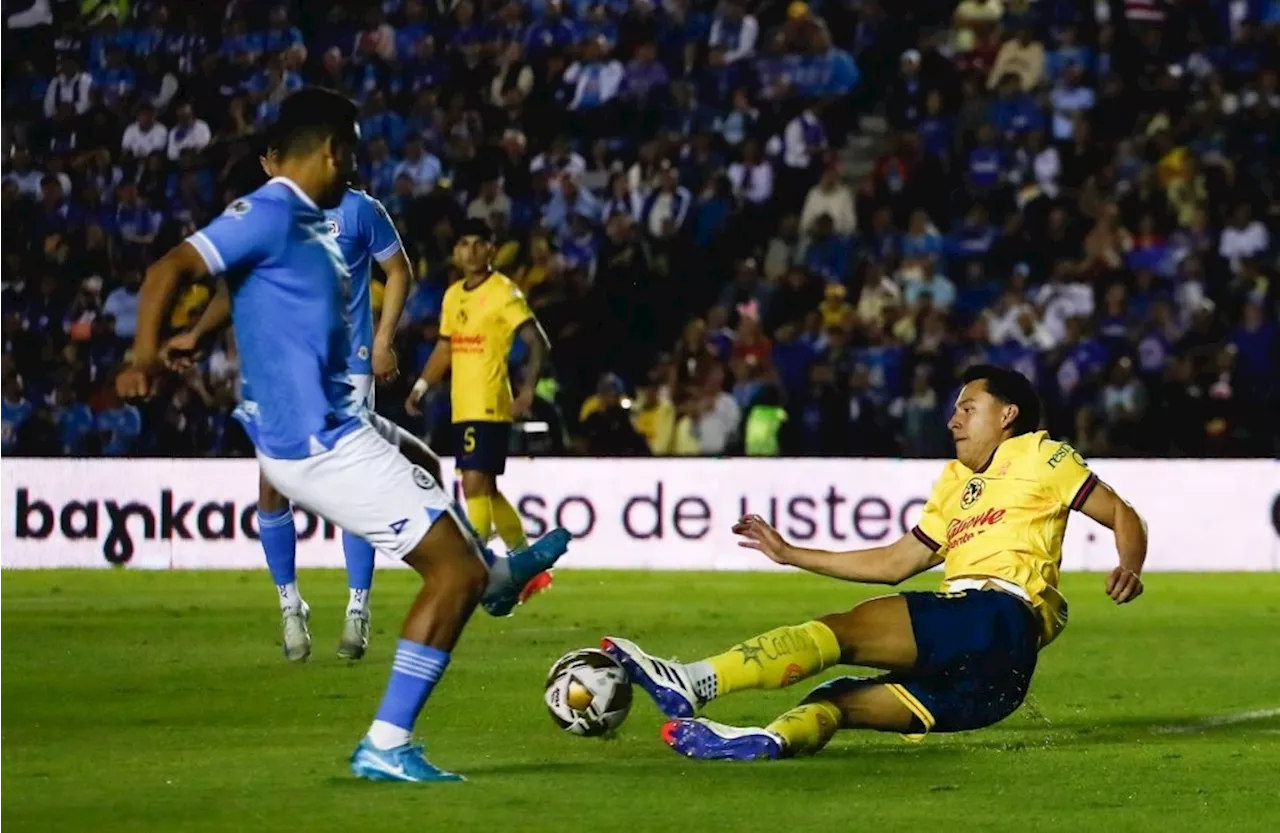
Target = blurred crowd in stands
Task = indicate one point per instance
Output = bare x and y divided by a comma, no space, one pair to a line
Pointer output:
752,228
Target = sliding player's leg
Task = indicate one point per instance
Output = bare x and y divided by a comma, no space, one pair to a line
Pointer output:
975,655
876,633
844,703
279,540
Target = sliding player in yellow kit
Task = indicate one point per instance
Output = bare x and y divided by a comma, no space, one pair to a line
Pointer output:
958,659
483,314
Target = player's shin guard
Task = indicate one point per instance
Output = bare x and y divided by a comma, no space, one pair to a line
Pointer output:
414,673
775,659
280,544
359,556
807,728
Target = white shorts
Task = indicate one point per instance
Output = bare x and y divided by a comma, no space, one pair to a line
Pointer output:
388,430
366,487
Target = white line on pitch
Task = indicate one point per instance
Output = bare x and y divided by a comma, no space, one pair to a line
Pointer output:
1216,721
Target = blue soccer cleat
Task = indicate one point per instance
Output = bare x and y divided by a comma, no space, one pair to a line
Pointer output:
401,763
500,599
707,740
666,682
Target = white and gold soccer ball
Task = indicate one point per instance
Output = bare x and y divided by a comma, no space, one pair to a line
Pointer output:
588,693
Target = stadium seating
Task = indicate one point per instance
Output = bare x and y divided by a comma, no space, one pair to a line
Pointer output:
752,228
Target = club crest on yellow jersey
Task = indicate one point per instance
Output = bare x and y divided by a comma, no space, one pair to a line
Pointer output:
972,492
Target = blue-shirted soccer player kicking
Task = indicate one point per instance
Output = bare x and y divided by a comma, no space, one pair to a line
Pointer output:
287,281
364,233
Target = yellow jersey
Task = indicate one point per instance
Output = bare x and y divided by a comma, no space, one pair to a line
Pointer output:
480,324
1006,522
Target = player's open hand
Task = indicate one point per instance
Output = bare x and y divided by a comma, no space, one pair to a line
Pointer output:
1123,585
386,367
758,535
133,383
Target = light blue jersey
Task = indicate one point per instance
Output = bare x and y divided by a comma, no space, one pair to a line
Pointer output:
365,233
289,288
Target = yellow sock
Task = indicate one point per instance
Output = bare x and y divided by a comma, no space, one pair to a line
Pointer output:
806,729
507,521
480,513
776,659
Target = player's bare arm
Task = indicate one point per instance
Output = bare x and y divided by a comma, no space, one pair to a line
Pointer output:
182,263
1124,584
398,272
891,564
535,338
435,371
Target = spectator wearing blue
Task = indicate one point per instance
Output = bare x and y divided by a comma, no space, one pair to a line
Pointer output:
596,81
137,223
1069,51
734,31
379,122
1014,112
422,168
122,304
596,23
279,34
119,428
423,69
986,164
828,255
550,33
568,199
1070,100
116,79
378,169
237,42
413,29
665,210
74,421
15,413
973,239
106,35
923,280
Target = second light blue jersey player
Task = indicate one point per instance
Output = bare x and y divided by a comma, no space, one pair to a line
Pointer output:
365,233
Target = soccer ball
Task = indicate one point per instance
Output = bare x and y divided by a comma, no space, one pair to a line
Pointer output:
588,693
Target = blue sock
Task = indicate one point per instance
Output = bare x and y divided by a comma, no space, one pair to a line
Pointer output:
414,673
359,556
280,543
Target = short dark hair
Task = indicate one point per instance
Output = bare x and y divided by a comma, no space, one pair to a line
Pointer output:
1012,388
475,227
311,116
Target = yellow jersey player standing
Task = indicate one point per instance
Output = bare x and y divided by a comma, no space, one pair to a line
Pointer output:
958,659
483,314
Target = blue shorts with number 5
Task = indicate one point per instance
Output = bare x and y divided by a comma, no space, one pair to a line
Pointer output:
482,446
976,652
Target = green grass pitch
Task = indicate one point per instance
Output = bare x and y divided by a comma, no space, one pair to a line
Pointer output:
140,701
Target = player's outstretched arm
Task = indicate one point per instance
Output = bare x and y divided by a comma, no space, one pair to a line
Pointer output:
890,564
1124,584
182,263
